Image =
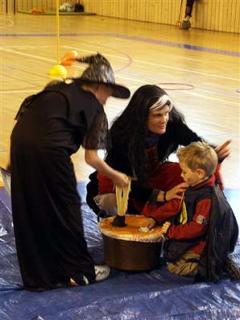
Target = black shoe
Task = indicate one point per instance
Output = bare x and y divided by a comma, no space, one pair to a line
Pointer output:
186,25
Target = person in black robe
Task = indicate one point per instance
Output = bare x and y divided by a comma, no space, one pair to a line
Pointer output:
51,126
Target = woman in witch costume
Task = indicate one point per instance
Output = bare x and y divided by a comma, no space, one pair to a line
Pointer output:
51,126
148,131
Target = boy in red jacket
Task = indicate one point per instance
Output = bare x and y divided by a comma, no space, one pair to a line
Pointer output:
195,239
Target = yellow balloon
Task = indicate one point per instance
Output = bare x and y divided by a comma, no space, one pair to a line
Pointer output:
58,72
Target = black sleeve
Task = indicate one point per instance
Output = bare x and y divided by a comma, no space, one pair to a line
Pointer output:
24,106
183,134
186,136
97,134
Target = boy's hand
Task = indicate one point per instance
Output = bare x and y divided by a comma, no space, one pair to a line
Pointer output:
151,224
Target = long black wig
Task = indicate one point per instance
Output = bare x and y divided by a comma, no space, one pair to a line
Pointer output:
131,126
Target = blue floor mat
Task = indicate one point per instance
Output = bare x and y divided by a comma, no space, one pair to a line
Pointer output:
125,295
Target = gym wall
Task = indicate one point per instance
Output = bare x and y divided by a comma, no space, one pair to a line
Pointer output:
217,15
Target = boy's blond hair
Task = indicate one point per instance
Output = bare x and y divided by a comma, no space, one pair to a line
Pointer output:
199,155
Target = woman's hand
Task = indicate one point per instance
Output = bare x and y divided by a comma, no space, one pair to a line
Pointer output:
176,192
223,151
120,179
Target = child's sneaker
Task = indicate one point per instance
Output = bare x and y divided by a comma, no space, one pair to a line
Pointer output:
233,269
102,272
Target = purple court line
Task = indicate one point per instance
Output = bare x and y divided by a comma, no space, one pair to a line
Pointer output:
136,38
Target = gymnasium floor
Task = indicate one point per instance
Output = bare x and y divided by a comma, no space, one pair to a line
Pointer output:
199,69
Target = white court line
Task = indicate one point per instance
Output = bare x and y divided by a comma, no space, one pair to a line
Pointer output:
165,66
187,70
20,91
129,78
185,92
27,55
26,46
191,93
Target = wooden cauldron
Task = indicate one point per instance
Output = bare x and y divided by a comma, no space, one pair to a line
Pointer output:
133,247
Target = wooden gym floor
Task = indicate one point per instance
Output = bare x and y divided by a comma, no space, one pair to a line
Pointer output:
199,69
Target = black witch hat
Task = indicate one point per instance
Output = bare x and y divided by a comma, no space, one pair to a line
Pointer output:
100,71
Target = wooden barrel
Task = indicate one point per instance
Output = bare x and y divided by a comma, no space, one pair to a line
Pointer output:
133,247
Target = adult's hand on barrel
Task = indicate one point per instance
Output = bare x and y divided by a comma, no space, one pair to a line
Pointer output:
176,192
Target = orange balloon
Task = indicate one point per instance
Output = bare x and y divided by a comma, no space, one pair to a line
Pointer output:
69,58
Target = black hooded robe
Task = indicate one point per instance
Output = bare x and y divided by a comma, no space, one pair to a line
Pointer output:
51,126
